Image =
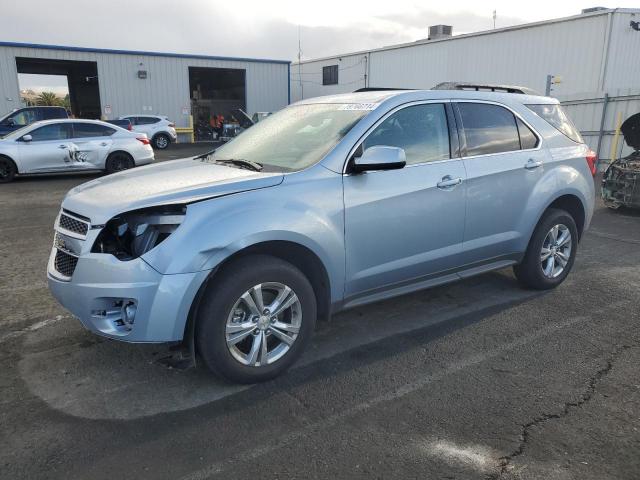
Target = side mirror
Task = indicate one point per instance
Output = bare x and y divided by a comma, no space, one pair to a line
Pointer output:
27,138
10,122
379,158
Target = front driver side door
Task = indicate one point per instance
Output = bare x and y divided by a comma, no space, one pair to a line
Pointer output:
50,149
405,226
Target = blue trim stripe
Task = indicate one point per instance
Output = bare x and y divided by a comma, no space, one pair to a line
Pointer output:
135,52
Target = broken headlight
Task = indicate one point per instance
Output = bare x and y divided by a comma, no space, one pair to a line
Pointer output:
132,234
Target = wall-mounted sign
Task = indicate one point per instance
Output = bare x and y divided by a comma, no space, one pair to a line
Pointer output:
107,109
185,110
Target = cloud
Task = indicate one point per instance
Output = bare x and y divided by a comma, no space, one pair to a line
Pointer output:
215,28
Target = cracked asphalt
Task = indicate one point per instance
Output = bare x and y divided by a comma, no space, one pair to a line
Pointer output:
479,379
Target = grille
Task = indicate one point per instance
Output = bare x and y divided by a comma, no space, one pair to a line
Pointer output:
65,263
73,225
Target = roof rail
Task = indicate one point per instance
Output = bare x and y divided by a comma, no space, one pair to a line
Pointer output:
378,89
484,87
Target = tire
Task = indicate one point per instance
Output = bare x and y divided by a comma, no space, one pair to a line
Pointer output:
118,162
161,141
8,170
222,311
539,274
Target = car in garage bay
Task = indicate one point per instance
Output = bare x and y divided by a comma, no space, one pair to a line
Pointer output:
71,145
160,130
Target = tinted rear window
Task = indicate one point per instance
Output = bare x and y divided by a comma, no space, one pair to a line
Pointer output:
51,113
528,139
85,130
556,116
147,120
488,129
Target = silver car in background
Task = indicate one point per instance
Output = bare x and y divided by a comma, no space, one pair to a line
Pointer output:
54,146
331,203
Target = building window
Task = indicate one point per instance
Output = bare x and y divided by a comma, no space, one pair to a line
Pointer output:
330,75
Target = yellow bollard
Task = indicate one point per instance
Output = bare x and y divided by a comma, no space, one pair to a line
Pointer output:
616,138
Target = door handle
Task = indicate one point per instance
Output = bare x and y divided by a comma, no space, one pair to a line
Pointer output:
532,164
448,182
62,146
103,144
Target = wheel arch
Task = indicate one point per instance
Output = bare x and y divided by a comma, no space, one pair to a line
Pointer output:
573,205
300,256
2,155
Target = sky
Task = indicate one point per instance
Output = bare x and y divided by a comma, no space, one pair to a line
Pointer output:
261,29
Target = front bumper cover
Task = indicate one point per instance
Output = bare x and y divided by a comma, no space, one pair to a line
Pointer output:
100,281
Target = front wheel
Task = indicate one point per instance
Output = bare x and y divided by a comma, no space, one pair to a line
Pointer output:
551,252
8,170
255,318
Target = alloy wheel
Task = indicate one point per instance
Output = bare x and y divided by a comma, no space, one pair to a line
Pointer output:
556,251
263,324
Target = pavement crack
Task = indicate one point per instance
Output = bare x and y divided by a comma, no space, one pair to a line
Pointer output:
506,461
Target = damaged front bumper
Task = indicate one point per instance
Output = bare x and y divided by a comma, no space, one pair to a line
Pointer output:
621,182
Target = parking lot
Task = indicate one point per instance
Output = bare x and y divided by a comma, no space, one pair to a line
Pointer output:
479,379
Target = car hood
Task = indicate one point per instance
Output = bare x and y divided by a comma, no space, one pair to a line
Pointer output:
178,181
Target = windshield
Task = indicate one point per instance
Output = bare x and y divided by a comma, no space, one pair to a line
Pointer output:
292,139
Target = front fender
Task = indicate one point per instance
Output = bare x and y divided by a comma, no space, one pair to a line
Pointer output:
307,209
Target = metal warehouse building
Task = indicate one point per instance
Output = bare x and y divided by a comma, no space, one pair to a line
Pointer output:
109,83
597,55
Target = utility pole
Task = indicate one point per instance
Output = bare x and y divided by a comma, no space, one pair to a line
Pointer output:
300,65
551,80
494,19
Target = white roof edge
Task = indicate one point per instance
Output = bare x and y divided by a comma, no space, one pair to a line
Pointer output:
474,34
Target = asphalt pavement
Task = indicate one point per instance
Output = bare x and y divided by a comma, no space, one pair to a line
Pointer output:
478,379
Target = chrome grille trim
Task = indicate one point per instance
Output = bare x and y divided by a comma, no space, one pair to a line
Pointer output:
65,263
73,225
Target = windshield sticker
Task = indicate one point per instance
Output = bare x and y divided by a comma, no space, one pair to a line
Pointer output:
358,106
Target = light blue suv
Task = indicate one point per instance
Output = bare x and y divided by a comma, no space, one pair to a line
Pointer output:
331,203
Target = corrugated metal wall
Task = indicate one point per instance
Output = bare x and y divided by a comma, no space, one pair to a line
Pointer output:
165,91
594,54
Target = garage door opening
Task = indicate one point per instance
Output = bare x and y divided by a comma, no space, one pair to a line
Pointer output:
215,92
82,82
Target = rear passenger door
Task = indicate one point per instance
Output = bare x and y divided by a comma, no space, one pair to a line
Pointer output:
504,162
92,143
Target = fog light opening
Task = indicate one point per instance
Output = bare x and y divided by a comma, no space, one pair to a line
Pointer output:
129,312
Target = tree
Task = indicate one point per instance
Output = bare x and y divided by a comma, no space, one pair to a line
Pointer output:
48,99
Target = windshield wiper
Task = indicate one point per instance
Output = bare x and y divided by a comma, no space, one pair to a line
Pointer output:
240,162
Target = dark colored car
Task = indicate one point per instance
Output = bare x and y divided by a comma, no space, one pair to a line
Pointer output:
26,116
125,123
621,180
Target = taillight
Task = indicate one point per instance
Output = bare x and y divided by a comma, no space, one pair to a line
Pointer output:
592,161
145,141
130,127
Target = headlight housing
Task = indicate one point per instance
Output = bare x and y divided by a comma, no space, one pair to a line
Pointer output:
132,234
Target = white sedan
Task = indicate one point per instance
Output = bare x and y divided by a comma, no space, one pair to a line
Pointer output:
71,145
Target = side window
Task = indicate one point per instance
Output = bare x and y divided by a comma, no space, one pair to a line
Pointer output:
86,130
54,131
420,130
330,75
24,117
147,120
133,120
528,139
488,128
51,113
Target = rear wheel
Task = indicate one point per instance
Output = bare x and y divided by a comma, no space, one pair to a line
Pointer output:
8,170
161,141
255,319
119,161
551,252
